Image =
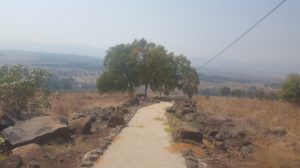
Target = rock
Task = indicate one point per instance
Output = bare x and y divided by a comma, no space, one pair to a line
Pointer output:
93,157
30,151
81,125
4,145
278,132
97,151
132,102
78,115
62,120
36,130
33,164
191,163
6,121
12,162
189,117
87,163
193,134
186,110
220,145
117,118
171,110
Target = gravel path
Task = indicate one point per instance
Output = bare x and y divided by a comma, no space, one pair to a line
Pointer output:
143,144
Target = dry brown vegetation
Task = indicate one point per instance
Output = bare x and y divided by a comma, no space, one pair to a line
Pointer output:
262,116
68,103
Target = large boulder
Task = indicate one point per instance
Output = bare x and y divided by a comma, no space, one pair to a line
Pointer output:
36,130
6,121
190,134
30,151
81,125
117,118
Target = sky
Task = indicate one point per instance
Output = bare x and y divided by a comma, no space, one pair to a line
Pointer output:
197,29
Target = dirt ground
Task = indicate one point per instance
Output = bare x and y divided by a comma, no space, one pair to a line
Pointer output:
68,103
258,119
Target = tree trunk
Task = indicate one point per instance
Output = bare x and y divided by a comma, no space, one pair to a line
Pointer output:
146,90
160,91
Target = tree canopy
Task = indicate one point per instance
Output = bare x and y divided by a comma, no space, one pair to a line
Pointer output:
290,88
128,66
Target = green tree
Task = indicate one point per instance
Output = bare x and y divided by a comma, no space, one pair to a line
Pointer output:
187,77
19,87
290,88
142,63
121,70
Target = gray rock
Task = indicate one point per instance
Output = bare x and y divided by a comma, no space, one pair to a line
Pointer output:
6,121
187,133
37,130
117,118
278,132
87,164
81,125
93,157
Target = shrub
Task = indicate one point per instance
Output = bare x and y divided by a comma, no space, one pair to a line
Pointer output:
19,87
290,89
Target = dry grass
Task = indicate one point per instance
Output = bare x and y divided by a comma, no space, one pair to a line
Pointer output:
181,147
68,103
262,115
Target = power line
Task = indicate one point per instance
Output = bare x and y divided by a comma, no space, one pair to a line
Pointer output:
242,35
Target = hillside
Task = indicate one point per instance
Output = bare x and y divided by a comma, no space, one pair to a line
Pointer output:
84,69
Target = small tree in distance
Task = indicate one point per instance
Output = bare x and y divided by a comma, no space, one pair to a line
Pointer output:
290,88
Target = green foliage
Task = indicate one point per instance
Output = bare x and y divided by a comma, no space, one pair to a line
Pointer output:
290,88
141,63
18,88
187,77
55,83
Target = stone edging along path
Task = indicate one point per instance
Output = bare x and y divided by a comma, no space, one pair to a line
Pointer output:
142,144
90,157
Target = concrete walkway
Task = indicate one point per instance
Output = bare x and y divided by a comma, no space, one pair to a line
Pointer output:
143,144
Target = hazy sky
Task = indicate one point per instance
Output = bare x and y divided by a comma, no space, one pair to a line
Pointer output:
195,28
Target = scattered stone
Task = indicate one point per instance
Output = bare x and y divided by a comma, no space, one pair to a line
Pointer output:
36,130
117,118
93,157
193,134
171,110
186,110
87,163
62,120
81,125
278,132
33,164
132,102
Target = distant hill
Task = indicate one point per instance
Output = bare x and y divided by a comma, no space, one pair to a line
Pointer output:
84,69
52,61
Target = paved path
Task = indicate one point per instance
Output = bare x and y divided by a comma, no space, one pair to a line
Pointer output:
143,144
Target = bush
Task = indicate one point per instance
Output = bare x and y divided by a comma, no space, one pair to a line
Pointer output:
290,89
19,87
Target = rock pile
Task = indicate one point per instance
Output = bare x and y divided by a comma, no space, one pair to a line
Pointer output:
225,134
